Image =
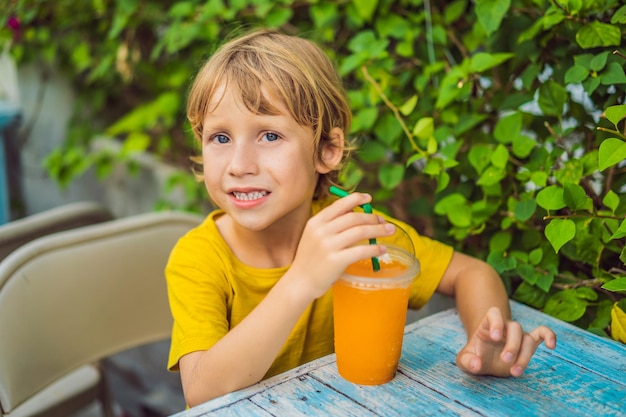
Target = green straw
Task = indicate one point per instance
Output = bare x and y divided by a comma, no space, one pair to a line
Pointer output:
366,208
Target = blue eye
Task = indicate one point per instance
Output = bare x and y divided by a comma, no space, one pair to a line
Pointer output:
271,137
221,139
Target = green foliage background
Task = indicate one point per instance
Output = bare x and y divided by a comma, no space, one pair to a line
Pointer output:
496,126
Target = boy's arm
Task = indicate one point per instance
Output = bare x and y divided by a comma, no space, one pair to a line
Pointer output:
243,356
496,344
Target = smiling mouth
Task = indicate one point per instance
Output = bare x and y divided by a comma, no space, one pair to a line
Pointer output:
254,195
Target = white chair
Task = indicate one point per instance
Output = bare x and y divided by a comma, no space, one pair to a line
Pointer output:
69,299
69,216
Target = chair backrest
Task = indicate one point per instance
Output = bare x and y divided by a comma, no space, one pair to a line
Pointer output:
69,216
77,296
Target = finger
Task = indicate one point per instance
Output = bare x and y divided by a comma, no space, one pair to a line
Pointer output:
345,205
543,333
527,349
512,345
530,343
495,323
469,362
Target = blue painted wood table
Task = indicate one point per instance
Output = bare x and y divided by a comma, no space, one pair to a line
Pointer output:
584,376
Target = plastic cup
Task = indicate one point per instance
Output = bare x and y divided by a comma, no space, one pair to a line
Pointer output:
369,316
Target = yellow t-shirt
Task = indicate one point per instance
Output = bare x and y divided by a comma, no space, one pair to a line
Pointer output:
211,291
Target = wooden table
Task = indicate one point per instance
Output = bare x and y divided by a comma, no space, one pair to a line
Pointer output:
584,376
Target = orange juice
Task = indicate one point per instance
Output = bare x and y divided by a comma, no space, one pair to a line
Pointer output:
369,314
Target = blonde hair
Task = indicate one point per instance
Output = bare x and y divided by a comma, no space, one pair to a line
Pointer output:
294,68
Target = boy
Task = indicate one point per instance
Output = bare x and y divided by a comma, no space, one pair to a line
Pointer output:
250,288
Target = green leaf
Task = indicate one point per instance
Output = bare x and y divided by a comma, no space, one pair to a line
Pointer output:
598,62
616,285
135,142
483,61
559,232
551,198
574,196
620,232
523,146
597,34
535,256
611,200
408,106
391,175
278,17
615,113
576,74
612,151
424,128
491,12
500,241
530,295
508,127
614,74
365,8
524,210
491,176
500,157
372,151
539,178
619,16
500,261
566,305
552,97
480,157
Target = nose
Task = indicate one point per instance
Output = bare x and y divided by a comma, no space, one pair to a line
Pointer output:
243,159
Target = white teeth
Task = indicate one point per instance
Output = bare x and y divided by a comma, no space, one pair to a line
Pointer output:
255,195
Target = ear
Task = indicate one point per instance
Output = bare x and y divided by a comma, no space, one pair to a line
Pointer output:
331,152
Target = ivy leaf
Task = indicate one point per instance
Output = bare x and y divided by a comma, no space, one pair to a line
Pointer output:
596,34
524,210
574,196
552,97
616,285
365,9
408,106
530,295
620,232
598,62
483,61
390,175
576,74
372,151
551,198
491,12
508,127
523,146
619,16
614,74
500,157
611,200
480,157
612,151
615,113
424,128
492,175
566,305
500,261
559,232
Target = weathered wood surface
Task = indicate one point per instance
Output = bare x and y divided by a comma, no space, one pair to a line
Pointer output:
584,376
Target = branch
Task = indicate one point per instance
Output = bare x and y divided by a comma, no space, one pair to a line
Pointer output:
393,108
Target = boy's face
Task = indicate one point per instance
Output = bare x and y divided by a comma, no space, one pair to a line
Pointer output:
259,169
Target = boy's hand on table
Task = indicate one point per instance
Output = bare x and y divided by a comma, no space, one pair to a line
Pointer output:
501,347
